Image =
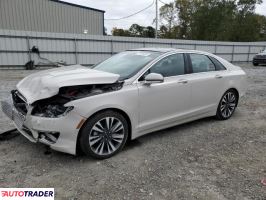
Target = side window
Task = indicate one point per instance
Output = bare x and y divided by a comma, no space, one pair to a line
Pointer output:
219,66
201,63
172,65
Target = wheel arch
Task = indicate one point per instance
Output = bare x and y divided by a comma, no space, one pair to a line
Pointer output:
103,110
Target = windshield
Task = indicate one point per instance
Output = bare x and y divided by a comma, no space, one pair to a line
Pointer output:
128,63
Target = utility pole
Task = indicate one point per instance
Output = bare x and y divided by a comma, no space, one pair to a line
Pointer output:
156,19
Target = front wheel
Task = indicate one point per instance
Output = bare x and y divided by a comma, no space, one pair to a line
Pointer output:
227,105
104,135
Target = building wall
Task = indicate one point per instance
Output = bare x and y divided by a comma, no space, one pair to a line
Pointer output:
49,16
91,49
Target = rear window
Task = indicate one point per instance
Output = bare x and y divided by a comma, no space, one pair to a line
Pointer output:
201,63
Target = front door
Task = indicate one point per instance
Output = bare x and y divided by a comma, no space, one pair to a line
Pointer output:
163,103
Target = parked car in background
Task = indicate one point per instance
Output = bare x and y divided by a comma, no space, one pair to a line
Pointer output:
124,97
260,58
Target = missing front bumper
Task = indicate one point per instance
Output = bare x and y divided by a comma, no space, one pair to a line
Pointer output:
19,120
11,112
58,133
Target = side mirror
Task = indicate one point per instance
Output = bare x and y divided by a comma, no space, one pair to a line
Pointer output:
153,78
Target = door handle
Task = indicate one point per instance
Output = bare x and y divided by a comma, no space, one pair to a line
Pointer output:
218,76
183,81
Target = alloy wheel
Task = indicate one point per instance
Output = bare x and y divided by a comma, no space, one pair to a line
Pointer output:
228,104
106,136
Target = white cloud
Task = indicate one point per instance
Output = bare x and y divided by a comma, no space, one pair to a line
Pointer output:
121,8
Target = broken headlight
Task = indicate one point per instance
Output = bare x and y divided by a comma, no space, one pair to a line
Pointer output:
51,111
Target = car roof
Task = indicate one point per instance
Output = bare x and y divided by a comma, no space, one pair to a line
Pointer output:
167,50
164,50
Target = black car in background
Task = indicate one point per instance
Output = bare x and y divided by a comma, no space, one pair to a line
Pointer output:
260,58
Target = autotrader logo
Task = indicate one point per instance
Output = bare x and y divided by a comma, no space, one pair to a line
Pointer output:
27,193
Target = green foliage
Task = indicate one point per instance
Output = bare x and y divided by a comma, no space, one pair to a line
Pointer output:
120,32
168,14
221,20
135,31
224,20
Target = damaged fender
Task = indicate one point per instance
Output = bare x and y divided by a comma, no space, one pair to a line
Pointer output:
54,106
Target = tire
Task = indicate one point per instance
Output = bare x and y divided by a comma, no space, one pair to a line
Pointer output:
227,105
255,64
104,135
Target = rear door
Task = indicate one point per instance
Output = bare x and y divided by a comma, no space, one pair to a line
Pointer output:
207,83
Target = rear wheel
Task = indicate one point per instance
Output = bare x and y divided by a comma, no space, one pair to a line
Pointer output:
227,105
255,64
104,135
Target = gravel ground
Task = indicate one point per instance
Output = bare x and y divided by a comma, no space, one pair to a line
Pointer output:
205,159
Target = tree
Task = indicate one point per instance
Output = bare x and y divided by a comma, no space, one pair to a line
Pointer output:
135,30
223,20
120,32
231,20
168,16
148,32
185,10
246,26
262,27
211,20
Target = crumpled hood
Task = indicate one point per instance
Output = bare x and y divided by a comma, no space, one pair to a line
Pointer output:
45,84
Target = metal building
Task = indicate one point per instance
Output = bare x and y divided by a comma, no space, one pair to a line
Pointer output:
50,16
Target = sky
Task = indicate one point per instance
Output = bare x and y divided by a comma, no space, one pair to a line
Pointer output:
119,8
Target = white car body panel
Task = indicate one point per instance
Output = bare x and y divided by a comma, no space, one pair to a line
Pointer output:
158,102
148,107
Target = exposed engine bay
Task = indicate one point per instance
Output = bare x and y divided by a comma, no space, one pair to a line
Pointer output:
53,107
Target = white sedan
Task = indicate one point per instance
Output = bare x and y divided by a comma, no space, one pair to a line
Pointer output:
124,97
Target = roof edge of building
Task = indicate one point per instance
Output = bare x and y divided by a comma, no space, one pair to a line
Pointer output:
76,5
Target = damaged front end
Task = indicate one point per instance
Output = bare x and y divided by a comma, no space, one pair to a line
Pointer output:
53,107
49,121
38,107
